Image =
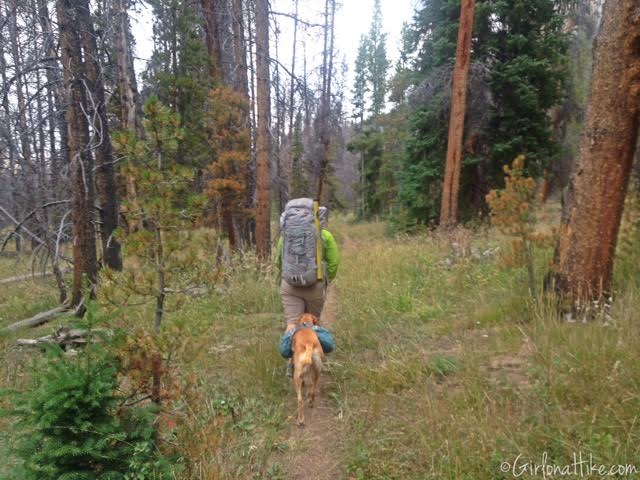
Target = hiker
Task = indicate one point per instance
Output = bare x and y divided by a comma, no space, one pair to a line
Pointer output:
303,286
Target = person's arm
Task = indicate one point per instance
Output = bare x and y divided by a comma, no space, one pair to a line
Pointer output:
331,255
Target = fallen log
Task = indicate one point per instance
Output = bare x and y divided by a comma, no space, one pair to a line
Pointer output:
65,337
44,317
36,320
20,278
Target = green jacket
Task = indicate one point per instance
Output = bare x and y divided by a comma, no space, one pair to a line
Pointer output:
329,252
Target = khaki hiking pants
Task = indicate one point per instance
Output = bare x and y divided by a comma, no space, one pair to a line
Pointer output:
299,300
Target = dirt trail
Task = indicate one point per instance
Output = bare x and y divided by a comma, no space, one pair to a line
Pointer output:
312,450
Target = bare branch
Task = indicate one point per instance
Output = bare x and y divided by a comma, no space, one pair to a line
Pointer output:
293,17
20,226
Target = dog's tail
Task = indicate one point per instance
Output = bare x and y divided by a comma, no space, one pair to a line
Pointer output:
317,360
307,356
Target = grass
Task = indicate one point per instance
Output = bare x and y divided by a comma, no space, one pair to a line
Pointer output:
443,369
449,372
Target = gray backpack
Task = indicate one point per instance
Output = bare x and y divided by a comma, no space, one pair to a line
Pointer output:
302,243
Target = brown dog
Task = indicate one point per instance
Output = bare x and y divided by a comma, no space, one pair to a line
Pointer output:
307,362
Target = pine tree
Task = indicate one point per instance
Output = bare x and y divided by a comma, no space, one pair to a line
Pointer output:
370,84
377,62
299,178
231,147
165,205
403,75
360,85
370,144
178,74
526,80
516,76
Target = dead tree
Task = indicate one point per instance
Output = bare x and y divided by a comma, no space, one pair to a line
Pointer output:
591,219
280,179
130,112
43,191
239,51
27,164
105,177
55,94
219,39
8,136
325,100
81,161
240,18
212,37
451,186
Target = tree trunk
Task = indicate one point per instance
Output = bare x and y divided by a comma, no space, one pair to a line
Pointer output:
249,227
307,106
241,84
292,92
212,37
81,166
449,205
589,229
43,190
130,112
27,164
105,175
263,144
293,74
10,142
54,87
281,177
229,226
325,108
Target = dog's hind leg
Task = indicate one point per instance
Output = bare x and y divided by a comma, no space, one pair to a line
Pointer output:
312,389
297,382
315,376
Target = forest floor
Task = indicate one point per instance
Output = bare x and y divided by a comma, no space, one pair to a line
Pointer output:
444,367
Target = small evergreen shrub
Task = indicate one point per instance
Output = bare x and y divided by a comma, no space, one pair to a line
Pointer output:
73,425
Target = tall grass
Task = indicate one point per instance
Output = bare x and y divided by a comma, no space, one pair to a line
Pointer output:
449,371
444,367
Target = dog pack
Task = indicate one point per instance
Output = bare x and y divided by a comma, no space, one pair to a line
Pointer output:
325,338
302,243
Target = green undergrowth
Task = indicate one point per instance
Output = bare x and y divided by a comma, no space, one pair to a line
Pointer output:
447,371
444,368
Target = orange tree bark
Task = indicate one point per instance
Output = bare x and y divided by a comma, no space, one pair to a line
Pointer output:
263,143
81,166
449,204
591,221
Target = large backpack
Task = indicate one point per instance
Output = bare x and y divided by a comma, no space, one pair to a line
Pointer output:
302,243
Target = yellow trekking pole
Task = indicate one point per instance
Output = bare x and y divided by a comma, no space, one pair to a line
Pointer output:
319,268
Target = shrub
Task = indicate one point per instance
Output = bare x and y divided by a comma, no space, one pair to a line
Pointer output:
514,211
73,425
